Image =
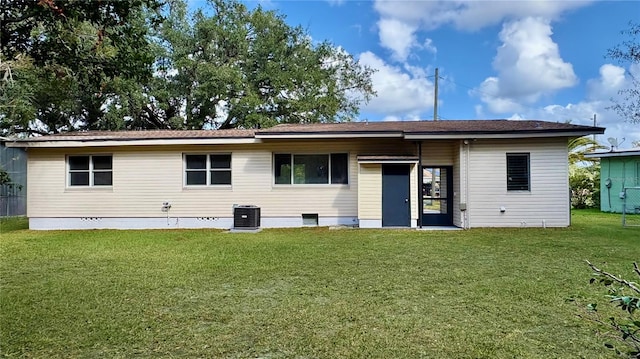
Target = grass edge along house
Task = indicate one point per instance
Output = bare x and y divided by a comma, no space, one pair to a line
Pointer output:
477,173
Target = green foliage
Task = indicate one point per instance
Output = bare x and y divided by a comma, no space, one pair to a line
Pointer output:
584,173
628,52
579,147
64,63
10,224
115,64
625,296
585,186
5,180
234,67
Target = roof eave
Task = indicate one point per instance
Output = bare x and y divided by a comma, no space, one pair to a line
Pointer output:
131,142
612,154
325,135
498,135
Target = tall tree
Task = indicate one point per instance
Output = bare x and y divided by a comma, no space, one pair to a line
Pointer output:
629,52
234,67
64,63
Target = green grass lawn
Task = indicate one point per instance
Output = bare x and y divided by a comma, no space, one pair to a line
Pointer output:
307,293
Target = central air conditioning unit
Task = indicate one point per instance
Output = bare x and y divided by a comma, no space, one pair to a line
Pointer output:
246,217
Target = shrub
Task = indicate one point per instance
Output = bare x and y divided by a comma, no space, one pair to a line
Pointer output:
585,186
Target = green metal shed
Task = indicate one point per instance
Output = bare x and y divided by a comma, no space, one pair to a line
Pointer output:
619,170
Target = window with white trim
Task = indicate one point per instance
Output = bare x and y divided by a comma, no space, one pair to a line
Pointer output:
90,170
311,168
207,169
518,172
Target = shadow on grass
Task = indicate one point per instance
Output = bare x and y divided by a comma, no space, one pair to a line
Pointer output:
10,224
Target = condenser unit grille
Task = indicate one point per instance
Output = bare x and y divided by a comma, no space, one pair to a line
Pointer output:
246,217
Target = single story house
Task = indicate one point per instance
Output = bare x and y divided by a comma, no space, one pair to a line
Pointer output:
477,173
619,169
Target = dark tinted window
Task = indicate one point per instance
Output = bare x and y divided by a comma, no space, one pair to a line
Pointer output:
197,178
518,172
79,163
220,161
79,178
220,177
339,168
102,162
282,168
196,162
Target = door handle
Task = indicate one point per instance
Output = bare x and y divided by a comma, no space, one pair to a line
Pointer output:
406,200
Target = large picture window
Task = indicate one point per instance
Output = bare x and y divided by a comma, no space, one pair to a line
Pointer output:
518,176
208,169
90,170
311,168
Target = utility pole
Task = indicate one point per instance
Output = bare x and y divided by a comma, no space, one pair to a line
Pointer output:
435,98
594,125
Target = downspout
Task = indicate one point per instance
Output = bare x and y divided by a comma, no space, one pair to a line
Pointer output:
466,187
420,183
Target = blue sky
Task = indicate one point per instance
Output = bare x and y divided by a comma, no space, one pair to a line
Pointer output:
497,59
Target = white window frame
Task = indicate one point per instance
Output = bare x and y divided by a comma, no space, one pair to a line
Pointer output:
91,170
208,170
292,159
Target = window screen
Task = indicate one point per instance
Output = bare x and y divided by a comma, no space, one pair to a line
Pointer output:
518,178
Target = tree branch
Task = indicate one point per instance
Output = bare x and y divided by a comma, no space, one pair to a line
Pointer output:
631,285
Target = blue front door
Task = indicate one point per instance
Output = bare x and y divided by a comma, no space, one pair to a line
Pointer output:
395,195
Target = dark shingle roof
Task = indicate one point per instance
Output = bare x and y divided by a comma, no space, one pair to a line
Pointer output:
425,127
143,135
399,128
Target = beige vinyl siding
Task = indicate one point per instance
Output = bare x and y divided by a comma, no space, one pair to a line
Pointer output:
548,199
144,177
438,153
370,191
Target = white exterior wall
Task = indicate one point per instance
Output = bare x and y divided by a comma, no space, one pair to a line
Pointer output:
546,204
145,177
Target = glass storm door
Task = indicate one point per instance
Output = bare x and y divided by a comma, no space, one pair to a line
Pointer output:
437,196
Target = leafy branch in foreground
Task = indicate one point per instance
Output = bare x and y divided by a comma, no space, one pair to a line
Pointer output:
625,295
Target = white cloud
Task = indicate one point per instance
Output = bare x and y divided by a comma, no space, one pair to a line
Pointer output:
612,79
335,2
400,21
397,36
429,46
600,90
471,14
529,66
402,92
